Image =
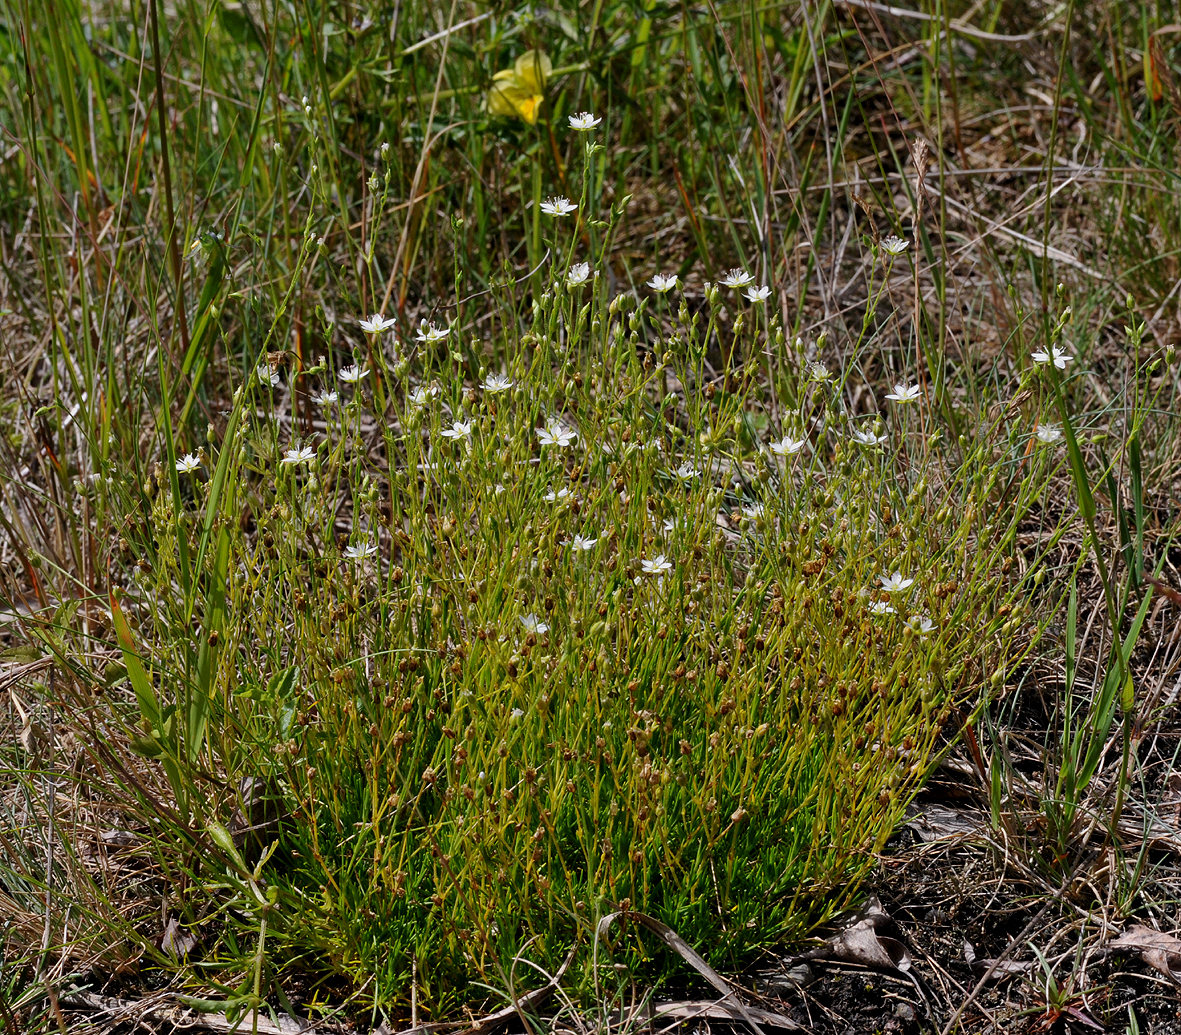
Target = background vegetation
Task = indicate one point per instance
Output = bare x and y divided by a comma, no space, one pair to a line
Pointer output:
316,695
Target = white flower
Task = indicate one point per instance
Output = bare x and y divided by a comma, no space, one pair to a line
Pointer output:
516,713
686,472
894,245
553,434
422,394
658,565
553,497
377,323
298,455
496,383
1048,434
429,333
326,398
1059,357
578,274
894,583
868,438
758,294
459,429
583,121
579,543
188,463
531,624
266,375
788,445
737,278
818,372
558,207
669,524
663,282
353,374
921,624
359,551
880,607
904,393
755,511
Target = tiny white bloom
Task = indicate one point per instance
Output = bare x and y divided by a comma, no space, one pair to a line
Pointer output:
377,323
298,455
583,121
819,372
554,434
531,624
580,543
737,278
188,463
1059,357
422,395
880,607
904,393
352,374
921,624
553,497
498,489
755,511
868,438
663,282
788,445
359,551
459,429
516,713
266,375
326,398
669,524
894,583
1048,434
894,245
686,472
758,294
658,565
496,383
558,206
578,274
429,333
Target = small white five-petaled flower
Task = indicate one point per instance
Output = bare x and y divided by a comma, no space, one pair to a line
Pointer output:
1059,357
497,383
266,375
326,398
578,274
298,455
430,334
558,206
352,374
658,565
583,121
904,393
894,245
686,472
377,323
921,624
663,282
895,583
737,278
359,551
534,625
459,429
188,463
868,438
758,294
1048,434
553,434
580,543
880,607
422,394
553,497
787,445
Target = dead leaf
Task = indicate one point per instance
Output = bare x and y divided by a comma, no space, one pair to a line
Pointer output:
860,943
715,1011
177,942
995,969
1160,951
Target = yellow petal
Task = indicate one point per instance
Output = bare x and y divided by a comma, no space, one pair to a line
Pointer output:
532,69
528,108
501,99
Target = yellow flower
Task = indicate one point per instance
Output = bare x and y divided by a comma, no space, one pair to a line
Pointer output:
521,89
